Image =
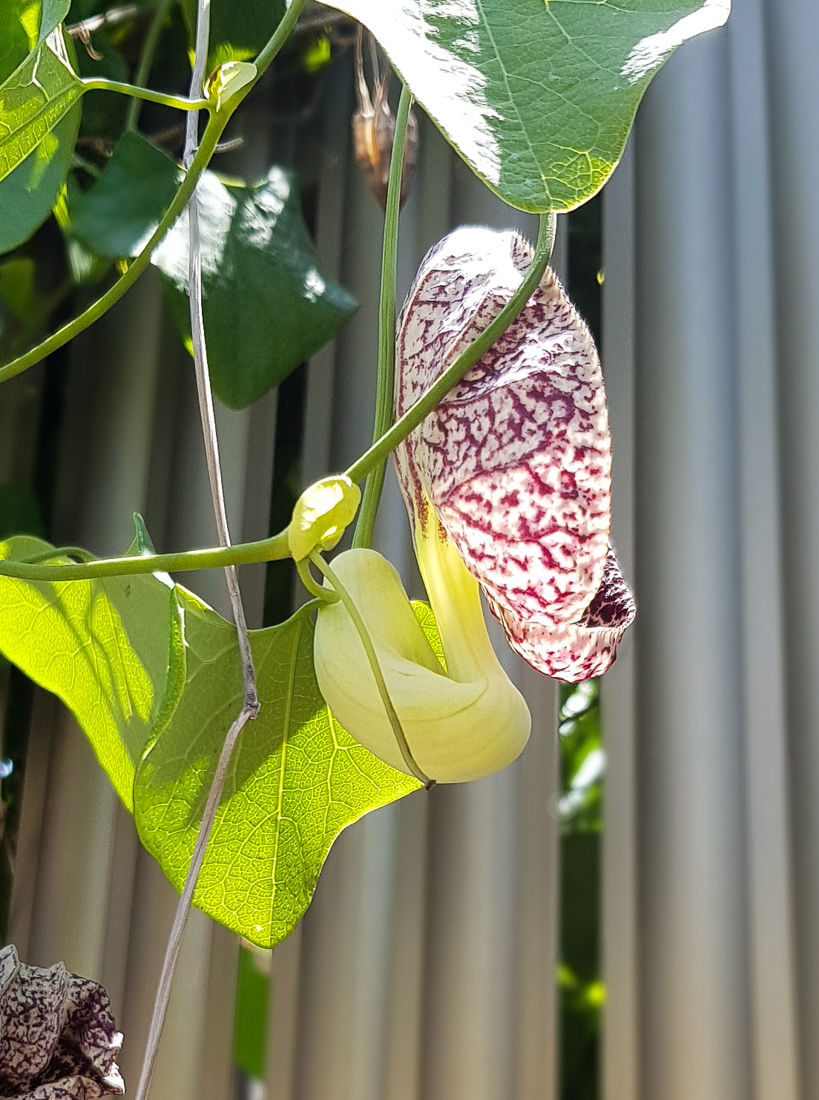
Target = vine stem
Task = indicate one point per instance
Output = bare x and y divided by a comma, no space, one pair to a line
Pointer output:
385,393
277,546
250,702
183,906
180,103
146,59
210,139
467,359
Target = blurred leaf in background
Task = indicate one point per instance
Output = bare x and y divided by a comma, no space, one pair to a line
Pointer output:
582,993
258,264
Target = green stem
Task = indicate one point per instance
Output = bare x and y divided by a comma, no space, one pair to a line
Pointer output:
180,102
278,38
385,395
375,667
62,336
467,359
273,549
146,59
216,125
277,546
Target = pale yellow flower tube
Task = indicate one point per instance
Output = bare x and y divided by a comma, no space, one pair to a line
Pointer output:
460,725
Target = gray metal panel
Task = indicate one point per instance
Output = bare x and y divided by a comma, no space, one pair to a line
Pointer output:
694,1015
792,40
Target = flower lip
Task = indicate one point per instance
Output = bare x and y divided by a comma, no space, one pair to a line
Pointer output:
516,460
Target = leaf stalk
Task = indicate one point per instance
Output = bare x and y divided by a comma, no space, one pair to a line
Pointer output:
385,393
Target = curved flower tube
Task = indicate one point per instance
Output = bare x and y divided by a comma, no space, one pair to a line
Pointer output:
514,465
461,724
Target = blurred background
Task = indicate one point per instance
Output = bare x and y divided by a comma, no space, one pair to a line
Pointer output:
629,912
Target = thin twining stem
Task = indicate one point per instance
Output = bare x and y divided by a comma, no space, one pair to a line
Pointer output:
200,360
277,546
250,701
385,395
183,906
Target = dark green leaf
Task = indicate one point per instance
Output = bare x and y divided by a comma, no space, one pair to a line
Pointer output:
18,289
39,118
103,114
237,30
267,307
295,781
252,1000
53,13
538,96
111,650
19,512
120,211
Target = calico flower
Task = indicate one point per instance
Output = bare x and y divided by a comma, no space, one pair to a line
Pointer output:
507,484
514,466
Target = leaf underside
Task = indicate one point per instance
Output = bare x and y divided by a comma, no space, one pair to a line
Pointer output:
153,677
295,781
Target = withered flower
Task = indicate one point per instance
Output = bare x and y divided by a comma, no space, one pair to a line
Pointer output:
58,1039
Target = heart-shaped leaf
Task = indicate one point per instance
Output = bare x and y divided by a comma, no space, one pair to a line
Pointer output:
117,215
267,307
538,96
295,781
111,650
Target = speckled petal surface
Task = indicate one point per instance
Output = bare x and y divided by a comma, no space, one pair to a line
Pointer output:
58,1039
516,460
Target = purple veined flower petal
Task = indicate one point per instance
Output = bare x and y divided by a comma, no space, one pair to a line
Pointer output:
516,460
575,651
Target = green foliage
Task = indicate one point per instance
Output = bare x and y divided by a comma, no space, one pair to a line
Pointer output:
109,649
538,96
295,781
118,214
250,1029
153,677
39,116
237,30
19,512
267,307
582,993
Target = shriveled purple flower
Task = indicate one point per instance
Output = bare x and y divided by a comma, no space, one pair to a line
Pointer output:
514,466
58,1039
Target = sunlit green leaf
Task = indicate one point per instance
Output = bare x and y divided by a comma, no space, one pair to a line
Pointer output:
39,118
120,211
296,778
111,650
267,307
538,96
33,100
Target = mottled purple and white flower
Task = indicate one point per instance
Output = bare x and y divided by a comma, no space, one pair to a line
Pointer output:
514,465
58,1039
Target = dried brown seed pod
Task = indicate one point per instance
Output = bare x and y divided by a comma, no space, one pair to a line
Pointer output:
374,127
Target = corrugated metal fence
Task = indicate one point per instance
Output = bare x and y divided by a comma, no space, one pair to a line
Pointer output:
425,968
